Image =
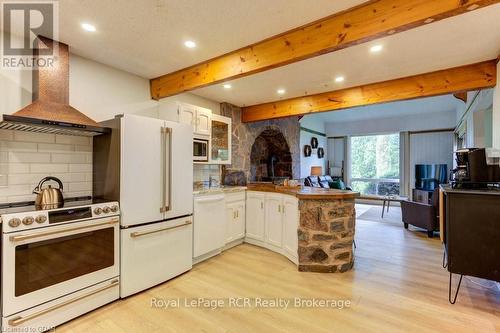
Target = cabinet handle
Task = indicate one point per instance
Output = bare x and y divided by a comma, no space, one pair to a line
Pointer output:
261,205
237,214
283,209
279,208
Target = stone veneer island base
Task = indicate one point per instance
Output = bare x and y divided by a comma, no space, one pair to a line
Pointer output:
326,227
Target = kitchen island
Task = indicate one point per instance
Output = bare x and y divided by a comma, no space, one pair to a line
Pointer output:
326,226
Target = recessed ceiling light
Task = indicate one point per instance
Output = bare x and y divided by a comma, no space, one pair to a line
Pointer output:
376,48
88,27
227,86
190,44
281,91
339,79
429,20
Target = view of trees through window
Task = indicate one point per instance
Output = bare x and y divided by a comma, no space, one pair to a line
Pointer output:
375,164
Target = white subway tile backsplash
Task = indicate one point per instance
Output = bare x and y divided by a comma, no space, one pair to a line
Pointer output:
80,168
12,190
18,146
17,157
18,168
48,168
6,135
73,140
45,147
79,187
83,148
71,158
25,179
34,137
26,158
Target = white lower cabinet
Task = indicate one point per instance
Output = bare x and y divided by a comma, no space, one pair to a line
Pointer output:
219,221
272,222
274,219
255,217
235,217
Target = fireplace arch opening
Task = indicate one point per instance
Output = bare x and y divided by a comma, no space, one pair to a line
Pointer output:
270,157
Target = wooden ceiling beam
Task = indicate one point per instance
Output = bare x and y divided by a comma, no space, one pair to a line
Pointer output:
368,21
449,81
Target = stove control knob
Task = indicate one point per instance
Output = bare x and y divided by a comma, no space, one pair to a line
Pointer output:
14,223
106,210
40,219
114,209
98,211
28,220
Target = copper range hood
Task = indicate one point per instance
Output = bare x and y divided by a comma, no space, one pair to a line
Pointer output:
50,111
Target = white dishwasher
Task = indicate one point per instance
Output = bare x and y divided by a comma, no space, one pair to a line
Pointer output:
208,225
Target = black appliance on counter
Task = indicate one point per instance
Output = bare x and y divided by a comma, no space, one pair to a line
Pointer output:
473,172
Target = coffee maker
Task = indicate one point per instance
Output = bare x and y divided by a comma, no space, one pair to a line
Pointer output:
473,171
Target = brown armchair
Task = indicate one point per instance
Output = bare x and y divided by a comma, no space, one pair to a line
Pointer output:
422,215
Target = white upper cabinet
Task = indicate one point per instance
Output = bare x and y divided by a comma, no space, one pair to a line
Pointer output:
198,117
221,140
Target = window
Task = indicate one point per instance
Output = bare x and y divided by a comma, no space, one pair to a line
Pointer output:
375,164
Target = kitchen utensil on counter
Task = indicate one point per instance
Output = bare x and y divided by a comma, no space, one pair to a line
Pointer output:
49,197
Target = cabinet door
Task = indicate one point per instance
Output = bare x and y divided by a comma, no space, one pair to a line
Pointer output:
187,115
290,224
203,121
221,140
230,220
255,216
141,170
239,223
274,217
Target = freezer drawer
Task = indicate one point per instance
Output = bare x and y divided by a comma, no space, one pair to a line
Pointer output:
155,253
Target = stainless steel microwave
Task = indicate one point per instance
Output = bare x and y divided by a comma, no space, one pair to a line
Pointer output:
200,150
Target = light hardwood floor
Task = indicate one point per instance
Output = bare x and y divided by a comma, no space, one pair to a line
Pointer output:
397,284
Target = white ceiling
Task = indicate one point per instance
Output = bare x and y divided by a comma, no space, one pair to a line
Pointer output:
146,37
421,106
464,39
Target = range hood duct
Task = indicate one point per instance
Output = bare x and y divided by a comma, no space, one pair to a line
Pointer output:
50,111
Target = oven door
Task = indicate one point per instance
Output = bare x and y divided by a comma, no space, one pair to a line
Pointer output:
43,264
200,150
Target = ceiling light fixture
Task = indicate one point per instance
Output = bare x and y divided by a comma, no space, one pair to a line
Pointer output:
189,44
429,20
281,91
376,48
227,86
339,79
88,27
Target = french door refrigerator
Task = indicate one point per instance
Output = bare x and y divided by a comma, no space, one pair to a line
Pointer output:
147,165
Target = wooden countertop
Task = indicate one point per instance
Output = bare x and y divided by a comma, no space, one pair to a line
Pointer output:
304,192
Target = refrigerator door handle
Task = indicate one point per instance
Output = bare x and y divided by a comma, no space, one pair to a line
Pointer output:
163,169
168,173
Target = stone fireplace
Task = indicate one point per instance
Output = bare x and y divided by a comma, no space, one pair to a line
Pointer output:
244,139
270,157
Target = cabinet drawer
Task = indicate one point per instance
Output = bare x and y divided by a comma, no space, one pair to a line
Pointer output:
238,196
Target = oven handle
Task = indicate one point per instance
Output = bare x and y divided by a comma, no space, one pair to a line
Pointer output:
49,233
139,234
19,320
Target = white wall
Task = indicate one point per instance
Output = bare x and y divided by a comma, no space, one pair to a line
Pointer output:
306,163
101,92
476,115
430,148
427,121
168,106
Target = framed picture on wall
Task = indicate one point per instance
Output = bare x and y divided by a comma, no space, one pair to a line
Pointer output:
314,142
307,151
321,153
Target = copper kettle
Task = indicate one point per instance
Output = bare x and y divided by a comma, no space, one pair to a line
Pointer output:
49,197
